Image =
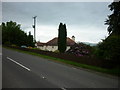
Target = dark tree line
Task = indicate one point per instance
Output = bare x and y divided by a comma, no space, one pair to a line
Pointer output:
12,34
109,48
114,19
62,37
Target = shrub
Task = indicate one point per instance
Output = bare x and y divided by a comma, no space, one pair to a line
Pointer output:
109,49
56,51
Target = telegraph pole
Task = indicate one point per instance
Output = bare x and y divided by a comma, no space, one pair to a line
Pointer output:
34,26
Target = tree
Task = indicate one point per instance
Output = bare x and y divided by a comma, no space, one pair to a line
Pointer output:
0,35
9,32
114,19
62,37
30,40
12,34
109,48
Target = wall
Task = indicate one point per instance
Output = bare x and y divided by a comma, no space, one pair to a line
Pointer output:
51,48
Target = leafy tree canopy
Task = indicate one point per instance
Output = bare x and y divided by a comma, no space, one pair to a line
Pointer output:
114,19
109,48
12,34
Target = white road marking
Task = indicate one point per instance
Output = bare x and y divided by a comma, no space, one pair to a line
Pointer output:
74,68
18,64
43,77
63,89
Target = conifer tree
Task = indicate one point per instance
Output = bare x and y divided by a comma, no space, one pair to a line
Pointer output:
62,37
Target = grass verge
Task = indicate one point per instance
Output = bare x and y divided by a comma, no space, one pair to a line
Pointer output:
115,71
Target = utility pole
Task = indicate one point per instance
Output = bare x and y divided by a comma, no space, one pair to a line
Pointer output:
34,26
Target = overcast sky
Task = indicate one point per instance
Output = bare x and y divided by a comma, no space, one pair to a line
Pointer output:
84,20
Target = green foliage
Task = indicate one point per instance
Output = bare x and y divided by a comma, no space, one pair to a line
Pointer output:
110,48
0,35
115,71
62,36
114,19
80,49
7,43
12,34
30,40
56,51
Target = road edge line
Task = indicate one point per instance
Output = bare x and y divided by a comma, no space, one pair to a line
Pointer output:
19,64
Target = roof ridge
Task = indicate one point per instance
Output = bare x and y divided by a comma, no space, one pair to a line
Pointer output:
55,39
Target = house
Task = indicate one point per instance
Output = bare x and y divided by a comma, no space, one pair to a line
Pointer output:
53,46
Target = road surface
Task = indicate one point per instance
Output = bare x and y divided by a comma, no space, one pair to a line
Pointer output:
22,70
0,67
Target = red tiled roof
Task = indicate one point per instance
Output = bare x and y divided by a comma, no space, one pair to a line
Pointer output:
70,42
54,42
40,44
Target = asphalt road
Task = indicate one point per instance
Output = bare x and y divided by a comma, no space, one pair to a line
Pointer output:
21,70
0,67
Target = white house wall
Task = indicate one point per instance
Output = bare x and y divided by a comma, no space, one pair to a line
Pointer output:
50,48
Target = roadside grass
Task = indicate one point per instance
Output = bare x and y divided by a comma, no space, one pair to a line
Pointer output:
114,71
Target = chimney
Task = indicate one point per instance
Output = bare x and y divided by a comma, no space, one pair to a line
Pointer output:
73,38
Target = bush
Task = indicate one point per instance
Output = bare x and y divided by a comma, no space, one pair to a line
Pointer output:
7,43
56,51
71,57
14,45
80,49
109,49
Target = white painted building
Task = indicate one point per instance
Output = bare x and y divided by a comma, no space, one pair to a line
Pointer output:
52,44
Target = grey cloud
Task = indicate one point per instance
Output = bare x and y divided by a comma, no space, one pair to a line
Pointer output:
84,15
52,13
